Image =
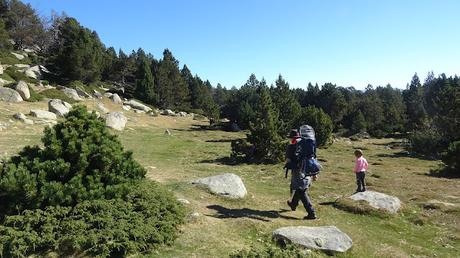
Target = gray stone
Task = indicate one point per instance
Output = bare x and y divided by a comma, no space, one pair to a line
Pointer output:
23,89
116,99
4,82
59,107
125,107
71,93
18,56
137,111
108,94
42,114
9,95
82,93
168,112
327,238
378,200
21,117
22,67
33,72
116,121
137,105
227,185
167,132
97,94
183,201
102,108
1,69
182,114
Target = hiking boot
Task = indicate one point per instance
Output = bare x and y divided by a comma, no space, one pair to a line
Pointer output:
310,216
290,205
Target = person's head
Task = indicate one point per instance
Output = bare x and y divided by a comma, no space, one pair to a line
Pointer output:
293,133
358,153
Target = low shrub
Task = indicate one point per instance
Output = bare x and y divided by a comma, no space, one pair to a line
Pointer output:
271,251
147,217
451,157
241,149
427,142
34,96
56,94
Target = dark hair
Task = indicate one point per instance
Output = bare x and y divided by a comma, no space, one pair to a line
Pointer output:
358,152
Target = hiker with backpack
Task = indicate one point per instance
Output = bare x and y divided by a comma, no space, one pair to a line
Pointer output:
304,171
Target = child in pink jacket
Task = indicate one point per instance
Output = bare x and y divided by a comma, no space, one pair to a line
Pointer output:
360,170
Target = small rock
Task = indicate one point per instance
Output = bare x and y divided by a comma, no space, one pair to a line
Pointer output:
10,95
71,93
1,69
21,117
116,121
193,216
137,111
59,107
167,132
108,94
18,56
183,201
137,105
226,185
33,72
23,89
82,93
116,99
97,94
126,108
102,108
182,114
168,112
43,114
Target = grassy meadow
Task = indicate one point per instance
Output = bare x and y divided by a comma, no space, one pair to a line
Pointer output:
424,228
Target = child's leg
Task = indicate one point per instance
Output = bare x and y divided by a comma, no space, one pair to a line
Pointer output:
363,181
358,182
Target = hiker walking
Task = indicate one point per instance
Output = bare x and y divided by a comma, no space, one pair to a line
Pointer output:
301,176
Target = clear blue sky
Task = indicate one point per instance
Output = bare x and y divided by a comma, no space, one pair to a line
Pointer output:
350,43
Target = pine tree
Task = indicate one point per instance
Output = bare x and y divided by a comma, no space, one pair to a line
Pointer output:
413,98
4,37
286,104
264,130
358,123
172,88
145,84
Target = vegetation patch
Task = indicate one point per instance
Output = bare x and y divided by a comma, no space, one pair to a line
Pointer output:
272,251
82,193
56,94
19,76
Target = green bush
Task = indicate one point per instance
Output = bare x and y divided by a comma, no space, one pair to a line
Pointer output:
82,194
56,94
270,251
320,121
147,217
80,161
427,142
34,96
241,149
451,157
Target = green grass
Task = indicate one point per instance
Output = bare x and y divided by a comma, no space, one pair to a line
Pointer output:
7,58
56,94
19,76
225,226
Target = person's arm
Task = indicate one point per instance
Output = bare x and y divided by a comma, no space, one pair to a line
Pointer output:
356,166
366,164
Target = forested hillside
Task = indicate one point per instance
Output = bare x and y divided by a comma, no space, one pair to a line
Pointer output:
427,112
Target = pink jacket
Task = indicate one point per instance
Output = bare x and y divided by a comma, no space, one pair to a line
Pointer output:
361,165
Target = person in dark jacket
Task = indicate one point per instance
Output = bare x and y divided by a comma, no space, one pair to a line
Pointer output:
301,180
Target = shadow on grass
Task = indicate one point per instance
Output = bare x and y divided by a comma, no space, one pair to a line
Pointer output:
444,173
403,154
221,140
266,216
229,161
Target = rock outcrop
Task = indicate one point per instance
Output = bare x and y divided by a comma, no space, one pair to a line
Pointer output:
21,117
23,89
116,99
227,185
42,114
137,105
71,93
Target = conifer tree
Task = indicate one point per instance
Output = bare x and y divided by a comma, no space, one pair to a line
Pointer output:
145,84
413,97
286,104
264,130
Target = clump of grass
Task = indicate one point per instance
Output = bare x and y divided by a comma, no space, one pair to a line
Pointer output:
34,96
360,207
56,94
19,76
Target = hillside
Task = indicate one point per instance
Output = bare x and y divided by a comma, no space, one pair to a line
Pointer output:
425,228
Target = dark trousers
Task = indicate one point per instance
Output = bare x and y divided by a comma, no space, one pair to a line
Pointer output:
360,181
301,195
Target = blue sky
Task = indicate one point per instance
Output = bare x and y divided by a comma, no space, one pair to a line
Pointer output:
350,43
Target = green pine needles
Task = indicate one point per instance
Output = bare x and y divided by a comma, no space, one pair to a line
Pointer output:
82,193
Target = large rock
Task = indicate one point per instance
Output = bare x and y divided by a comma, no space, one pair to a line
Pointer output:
1,69
21,117
34,72
328,238
42,114
71,93
116,120
9,95
23,89
116,99
227,185
102,108
82,93
137,105
59,107
378,200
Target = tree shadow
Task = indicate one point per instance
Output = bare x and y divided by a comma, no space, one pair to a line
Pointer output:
443,173
221,140
266,216
229,161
